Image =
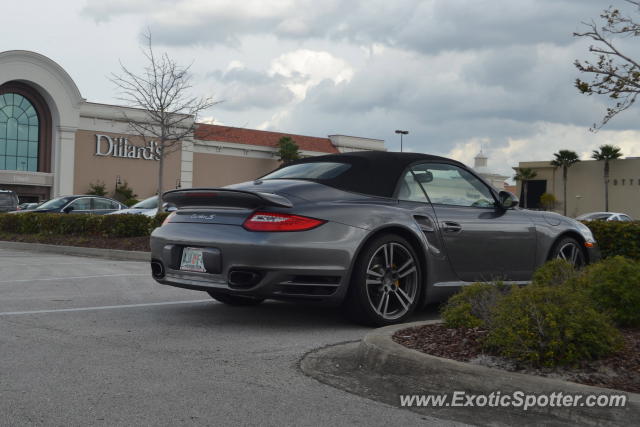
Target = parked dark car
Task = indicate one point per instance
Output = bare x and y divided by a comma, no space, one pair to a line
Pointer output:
8,201
82,204
381,233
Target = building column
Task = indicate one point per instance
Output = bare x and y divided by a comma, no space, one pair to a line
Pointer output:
65,153
186,164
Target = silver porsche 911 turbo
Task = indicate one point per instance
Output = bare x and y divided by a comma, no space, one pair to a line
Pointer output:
380,233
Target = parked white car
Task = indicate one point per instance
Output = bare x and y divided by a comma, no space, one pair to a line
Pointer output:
148,207
604,216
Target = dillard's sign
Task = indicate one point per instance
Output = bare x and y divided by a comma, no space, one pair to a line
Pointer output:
119,147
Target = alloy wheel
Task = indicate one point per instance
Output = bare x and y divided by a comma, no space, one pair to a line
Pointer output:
572,253
392,280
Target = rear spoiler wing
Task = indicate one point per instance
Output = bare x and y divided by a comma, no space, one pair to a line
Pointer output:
223,197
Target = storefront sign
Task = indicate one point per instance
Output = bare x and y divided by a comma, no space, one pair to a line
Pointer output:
107,146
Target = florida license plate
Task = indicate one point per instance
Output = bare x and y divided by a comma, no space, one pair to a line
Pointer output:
192,260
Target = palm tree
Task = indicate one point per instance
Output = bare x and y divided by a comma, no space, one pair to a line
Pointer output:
606,153
565,159
524,175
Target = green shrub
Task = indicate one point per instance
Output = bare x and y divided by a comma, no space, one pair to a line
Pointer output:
159,219
613,285
76,224
123,192
97,189
617,238
549,326
125,225
472,306
554,272
9,222
131,202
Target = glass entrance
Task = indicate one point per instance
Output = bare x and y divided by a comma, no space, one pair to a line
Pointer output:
19,133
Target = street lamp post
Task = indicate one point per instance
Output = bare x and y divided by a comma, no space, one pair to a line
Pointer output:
401,132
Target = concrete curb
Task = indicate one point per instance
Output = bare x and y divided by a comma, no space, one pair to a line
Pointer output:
114,254
380,354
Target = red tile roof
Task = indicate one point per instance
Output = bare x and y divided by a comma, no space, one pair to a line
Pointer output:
208,132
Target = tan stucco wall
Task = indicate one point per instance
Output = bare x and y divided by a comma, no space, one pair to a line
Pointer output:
141,175
214,170
585,179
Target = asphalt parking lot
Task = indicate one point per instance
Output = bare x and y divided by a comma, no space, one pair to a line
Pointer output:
87,341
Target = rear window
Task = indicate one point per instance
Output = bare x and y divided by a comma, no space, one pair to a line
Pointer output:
312,170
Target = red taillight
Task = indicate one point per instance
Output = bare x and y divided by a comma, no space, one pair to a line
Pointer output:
271,221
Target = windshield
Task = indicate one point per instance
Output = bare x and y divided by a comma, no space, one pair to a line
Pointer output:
55,203
150,203
312,170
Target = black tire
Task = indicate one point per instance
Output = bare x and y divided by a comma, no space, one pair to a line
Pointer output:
373,283
571,250
235,300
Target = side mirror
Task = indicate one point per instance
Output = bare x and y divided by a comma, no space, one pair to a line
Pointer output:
423,177
67,209
507,200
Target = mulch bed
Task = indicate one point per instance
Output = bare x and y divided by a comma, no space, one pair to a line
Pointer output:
124,243
619,371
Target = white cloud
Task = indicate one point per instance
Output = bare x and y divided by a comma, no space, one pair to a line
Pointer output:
306,68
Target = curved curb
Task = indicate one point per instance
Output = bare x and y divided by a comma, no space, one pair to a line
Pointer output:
380,354
115,254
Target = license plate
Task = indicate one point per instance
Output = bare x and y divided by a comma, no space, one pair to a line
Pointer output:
192,260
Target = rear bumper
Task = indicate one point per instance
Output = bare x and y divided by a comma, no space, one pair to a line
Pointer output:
311,265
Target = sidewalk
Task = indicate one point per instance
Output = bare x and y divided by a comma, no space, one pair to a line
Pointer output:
383,370
115,254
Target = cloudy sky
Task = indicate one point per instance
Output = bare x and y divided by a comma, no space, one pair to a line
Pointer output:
457,74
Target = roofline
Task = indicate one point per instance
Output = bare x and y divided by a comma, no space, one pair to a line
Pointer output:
358,137
261,130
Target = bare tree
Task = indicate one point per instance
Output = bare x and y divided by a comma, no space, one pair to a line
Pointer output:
162,91
614,73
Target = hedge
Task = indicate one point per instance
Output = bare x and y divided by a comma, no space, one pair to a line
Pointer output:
549,326
123,225
617,238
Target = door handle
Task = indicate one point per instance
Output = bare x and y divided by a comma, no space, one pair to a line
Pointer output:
451,227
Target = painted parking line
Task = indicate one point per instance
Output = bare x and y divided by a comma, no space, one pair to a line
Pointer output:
53,264
48,279
104,307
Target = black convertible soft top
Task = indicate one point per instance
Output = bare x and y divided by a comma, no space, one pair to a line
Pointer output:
372,172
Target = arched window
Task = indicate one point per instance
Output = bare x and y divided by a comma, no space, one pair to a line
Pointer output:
19,133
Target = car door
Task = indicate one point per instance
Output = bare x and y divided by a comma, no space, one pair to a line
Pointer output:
411,196
81,205
104,206
482,242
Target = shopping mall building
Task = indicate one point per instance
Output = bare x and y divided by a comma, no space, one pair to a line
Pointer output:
53,142
585,186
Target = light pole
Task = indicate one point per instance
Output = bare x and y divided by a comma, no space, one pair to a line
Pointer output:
401,132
